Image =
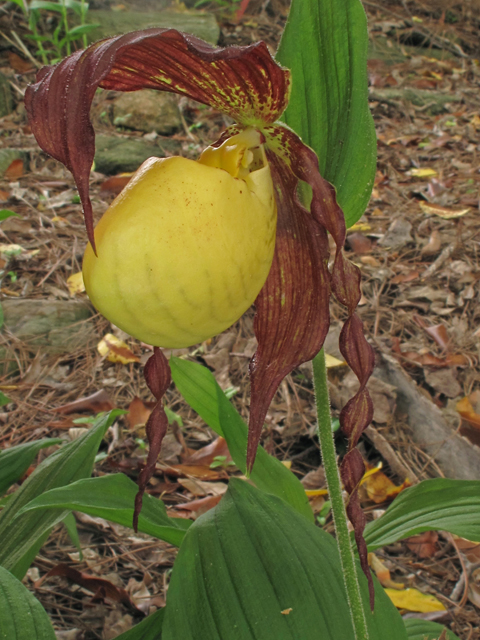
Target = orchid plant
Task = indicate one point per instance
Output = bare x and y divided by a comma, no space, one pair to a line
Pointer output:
147,277
180,255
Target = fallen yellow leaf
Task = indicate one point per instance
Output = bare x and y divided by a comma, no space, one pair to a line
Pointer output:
442,212
379,487
475,120
312,493
75,284
370,472
414,600
9,292
331,361
61,222
116,350
287,463
382,573
359,226
466,410
422,173
370,261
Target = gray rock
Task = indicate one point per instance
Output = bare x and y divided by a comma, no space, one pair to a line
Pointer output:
147,111
7,156
54,326
6,97
432,102
115,154
398,235
112,23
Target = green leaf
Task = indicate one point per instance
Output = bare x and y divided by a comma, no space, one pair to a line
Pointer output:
22,617
4,500
325,46
3,398
22,4
148,629
76,6
70,525
7,213
16,460
46,6
253,557
112,497
418,629
431,505
76,32
201,391
22,536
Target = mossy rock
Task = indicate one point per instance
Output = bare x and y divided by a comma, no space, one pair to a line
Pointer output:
57,327
433,102
112,23
116,154
147,111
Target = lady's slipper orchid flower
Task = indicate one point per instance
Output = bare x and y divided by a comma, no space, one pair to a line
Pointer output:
186,247
163,282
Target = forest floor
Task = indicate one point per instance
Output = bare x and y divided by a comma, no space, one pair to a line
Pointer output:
418,247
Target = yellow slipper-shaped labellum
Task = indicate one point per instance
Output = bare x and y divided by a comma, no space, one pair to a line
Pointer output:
186,247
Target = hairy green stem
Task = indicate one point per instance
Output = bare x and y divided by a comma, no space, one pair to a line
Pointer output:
334,487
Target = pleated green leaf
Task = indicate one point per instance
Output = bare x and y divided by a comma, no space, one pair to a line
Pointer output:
252,568
202,392
112,498
23,535
439,504
22,617
325,46
425,630
16,460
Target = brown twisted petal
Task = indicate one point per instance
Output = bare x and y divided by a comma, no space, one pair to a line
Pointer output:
351,472
292,316
345,282
244,82
158,377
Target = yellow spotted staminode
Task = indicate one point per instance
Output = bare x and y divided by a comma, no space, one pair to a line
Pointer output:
186,247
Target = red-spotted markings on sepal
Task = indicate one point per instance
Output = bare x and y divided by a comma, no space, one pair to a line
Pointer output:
244,82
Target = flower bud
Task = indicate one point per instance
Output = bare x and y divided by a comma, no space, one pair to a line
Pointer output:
186,247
